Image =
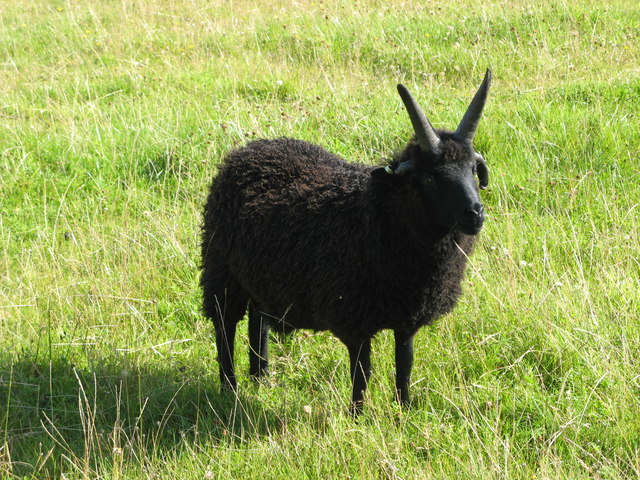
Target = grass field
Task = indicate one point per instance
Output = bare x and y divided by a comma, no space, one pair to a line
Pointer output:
113,118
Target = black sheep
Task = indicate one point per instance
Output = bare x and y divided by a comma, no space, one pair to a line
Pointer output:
308,240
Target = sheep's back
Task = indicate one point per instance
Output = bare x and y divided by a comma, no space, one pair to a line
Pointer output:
290,220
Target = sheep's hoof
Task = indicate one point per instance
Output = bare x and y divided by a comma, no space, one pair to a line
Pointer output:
260,379
355,409
228,385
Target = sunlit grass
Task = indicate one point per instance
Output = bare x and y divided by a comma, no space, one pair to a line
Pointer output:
113,120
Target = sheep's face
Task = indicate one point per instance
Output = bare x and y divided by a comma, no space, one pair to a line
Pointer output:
451,192
445,187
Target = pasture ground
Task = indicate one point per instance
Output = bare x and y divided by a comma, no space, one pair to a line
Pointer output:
114,116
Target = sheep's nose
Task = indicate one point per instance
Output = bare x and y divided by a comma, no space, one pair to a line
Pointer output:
475,213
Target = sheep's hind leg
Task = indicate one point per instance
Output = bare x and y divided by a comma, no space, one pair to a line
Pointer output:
404,363
258,343
225,302
360,363
225,336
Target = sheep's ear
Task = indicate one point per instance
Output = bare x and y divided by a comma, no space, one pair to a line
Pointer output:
483,172
386,174
382,172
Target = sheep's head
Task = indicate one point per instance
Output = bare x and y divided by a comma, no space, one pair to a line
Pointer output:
444,165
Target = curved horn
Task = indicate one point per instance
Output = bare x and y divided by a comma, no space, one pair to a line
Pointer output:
427,136
469,123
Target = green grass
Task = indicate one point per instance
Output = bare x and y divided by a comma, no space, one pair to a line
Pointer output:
113,118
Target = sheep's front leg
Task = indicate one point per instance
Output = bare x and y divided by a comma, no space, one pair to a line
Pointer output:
404,363
258,343
360,360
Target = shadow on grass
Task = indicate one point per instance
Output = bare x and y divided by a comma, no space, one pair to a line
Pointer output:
55,417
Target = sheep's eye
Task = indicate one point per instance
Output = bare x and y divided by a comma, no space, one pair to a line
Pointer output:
427,179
